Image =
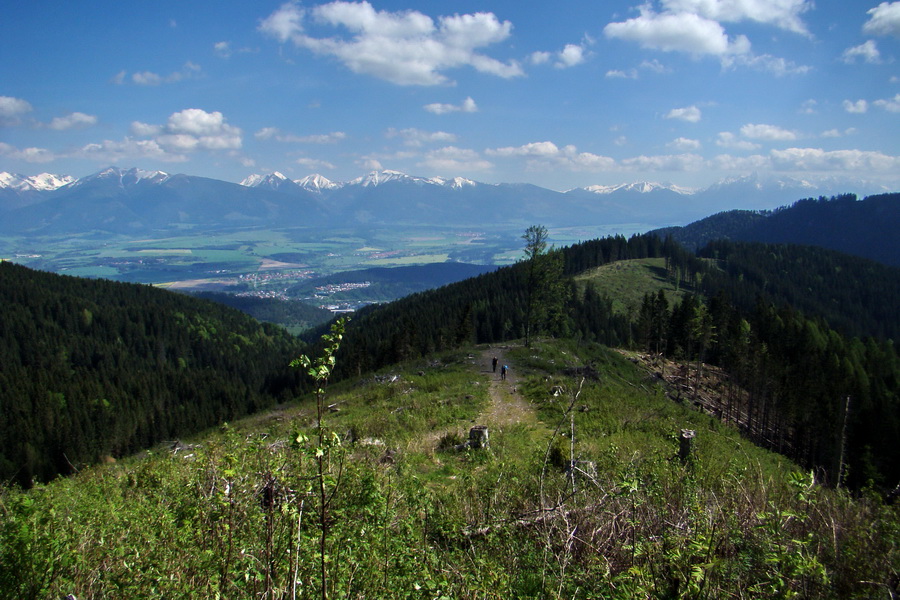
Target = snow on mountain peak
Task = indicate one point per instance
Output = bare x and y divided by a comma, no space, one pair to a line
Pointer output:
642,187
34,183
316,183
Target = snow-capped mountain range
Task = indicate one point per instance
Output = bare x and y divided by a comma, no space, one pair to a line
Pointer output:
134,200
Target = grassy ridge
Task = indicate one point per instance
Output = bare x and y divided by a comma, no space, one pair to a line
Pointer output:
626,282
230,515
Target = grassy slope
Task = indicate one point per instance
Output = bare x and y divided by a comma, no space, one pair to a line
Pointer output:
628,281
412,518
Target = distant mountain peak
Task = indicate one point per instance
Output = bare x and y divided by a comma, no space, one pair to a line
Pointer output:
35,183
641,187
317,183
125,177
376,178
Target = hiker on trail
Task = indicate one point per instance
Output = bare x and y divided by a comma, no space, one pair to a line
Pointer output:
494,364
503,370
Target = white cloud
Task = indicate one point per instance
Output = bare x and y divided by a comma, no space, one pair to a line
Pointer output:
468,106
539,58
616,74
884,19
653,66
148,78
867,51
72,121
835,133
769,133
453,160
12,108
190,130
816,159
808,107
547,155
222,49
145,129
726,139
570,56
416,137
677,32
765,63
691,114
784,14
665,162
890,105
405,48
684,144
29,155
858,107
268,133
314,163
110,151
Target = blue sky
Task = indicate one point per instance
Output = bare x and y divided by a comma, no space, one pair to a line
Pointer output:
564,94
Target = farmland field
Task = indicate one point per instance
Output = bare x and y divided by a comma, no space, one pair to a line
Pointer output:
269,261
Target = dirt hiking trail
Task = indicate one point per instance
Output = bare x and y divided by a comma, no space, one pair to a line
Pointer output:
507,406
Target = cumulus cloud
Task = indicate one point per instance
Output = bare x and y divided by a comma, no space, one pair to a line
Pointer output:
148,78
29,155
273,133
222,49
190,130
684,144
816,159
405,48
677,32
12,110
836,133
468,106
765,63
884,19
769,133
314,164
784,14
549,155
111,151
73,120
665,162
416,137
890,105
691,114
571,55
451,159
867,51
617,74
726,139
858,107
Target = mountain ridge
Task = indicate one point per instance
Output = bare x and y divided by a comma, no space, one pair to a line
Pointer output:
124,201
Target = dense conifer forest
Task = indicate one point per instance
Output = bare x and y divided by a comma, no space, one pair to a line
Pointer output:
93,369
804,329
844,223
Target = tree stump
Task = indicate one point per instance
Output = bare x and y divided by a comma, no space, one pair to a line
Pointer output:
478,437
686,442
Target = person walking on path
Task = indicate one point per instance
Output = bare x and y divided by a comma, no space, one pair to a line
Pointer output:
494,364
503,371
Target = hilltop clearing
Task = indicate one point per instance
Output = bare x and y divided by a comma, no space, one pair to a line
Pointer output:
580,494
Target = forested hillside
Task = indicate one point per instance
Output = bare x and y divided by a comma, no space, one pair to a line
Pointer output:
798,367
865,227
94,368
